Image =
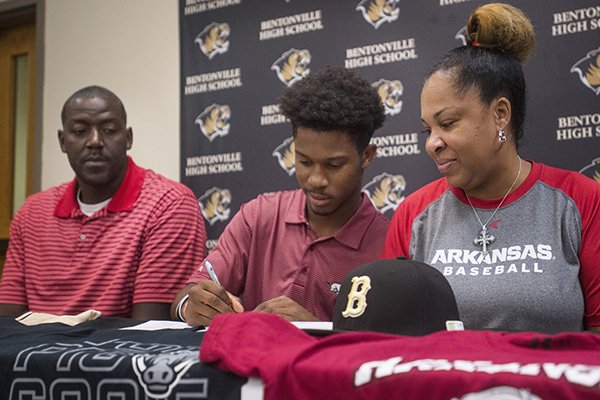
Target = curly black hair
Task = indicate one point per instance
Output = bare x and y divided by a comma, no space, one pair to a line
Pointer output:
334,99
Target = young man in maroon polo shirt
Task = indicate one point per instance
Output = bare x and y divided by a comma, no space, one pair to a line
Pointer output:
119,239
287,252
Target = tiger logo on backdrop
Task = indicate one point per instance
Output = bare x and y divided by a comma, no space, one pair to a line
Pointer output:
214,39
385,191
285,155
215,204
390,93
461,35
592,170
214,121
292,66
588,69
376,12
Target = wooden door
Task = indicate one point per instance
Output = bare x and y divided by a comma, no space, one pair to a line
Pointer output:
17,117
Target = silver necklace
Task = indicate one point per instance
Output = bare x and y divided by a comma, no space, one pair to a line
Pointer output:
483,239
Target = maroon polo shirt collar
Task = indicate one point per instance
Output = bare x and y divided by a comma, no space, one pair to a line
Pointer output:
122,200
350,234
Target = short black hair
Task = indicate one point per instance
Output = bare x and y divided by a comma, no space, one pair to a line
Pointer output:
334,99
90,92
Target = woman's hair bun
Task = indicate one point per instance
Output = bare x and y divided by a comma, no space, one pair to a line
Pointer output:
503,27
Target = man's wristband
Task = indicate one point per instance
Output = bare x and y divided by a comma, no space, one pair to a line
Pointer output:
183,300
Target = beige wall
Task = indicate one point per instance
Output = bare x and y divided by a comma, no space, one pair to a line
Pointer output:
128,46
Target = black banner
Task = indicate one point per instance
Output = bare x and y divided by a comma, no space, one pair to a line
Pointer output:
238,56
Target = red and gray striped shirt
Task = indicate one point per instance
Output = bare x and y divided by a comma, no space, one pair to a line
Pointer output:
140,248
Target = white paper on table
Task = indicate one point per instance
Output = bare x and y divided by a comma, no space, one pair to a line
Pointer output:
314,325
155,325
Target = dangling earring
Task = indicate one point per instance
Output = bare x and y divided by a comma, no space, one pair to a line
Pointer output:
501,135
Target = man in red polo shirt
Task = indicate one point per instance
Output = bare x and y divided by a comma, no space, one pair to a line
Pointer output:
119,239
287,252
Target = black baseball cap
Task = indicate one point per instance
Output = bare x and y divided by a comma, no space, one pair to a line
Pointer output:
394,296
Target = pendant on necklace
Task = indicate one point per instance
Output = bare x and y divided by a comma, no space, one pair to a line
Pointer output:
484,239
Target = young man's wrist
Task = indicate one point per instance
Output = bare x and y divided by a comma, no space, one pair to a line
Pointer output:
180,310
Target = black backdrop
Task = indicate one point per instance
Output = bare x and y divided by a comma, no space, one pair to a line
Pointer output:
237,57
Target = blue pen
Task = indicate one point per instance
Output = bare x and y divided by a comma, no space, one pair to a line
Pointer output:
211,272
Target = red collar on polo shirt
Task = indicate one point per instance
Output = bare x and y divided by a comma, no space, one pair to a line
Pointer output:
123,199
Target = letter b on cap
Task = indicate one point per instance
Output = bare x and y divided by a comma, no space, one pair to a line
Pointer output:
357,298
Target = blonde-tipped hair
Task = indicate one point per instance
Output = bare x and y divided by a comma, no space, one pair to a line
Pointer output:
500,38
504,27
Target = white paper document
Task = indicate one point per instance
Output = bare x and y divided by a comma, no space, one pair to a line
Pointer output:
155,325
314,325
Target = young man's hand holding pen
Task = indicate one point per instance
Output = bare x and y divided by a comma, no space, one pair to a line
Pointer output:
206,299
